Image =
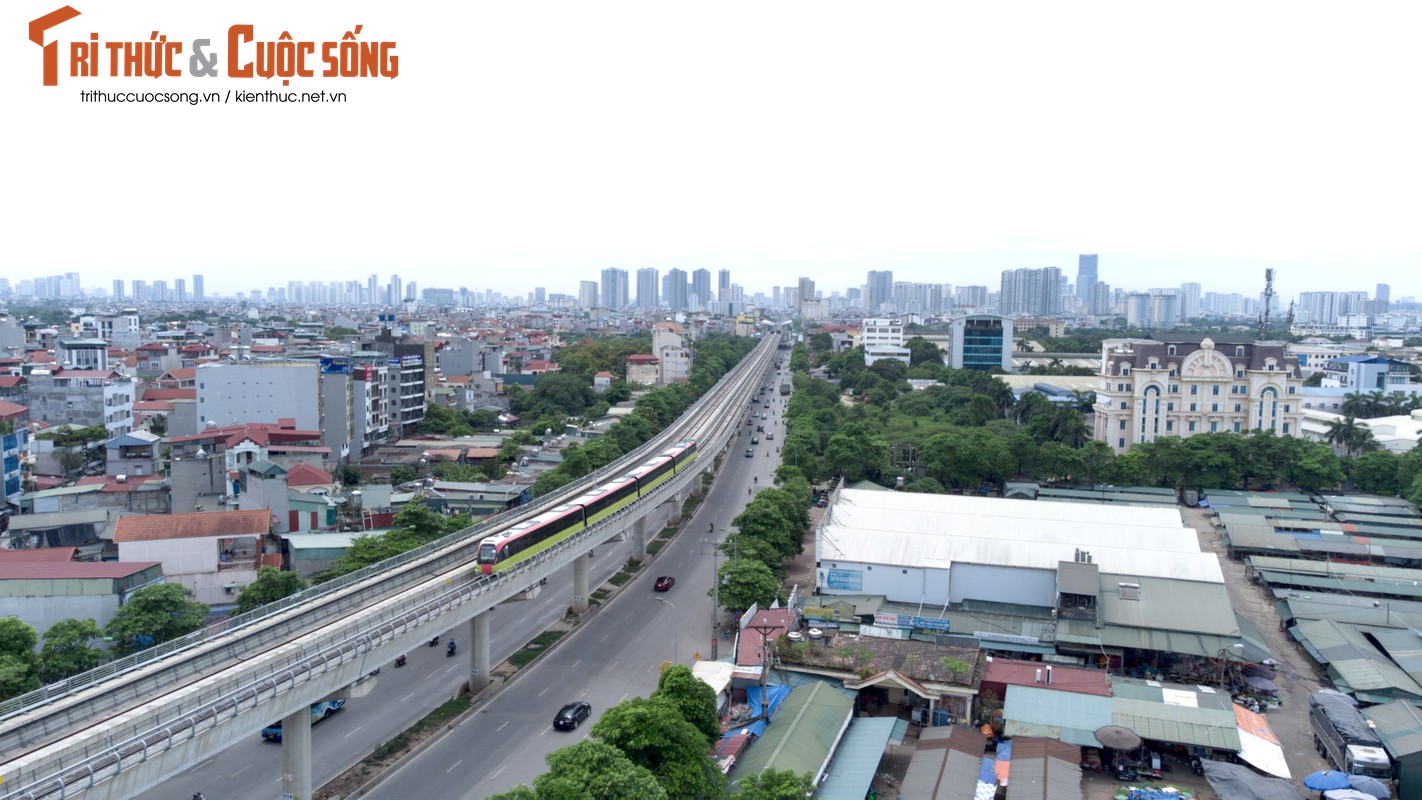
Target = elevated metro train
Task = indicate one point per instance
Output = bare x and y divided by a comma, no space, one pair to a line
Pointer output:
533,536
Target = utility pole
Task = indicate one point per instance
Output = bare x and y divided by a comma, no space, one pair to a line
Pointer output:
716,598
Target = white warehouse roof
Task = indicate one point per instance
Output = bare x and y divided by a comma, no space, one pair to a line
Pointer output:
935,530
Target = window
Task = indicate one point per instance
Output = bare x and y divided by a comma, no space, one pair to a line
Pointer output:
1291,389
1123,424
1192,406
1239,350
1121,443
1169,406
1237,408
1214,427
1215,407
1286,408
1215,390
1175,388
1191,427
1170,350
1270,368
1154,364
1125,369
1239,372
1194,390
1236,427
1286,429
1169,425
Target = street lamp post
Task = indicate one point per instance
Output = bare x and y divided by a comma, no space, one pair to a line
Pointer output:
676,637
715,597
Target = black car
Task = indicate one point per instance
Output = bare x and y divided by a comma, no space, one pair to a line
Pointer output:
750,453
572,715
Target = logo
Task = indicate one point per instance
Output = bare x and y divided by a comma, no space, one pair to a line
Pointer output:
247,55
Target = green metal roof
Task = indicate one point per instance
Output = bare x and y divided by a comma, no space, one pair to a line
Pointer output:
802,734
1352,662
856,760
1399,725
1206,727
1068,716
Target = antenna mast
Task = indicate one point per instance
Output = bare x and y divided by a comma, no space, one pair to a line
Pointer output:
1268,301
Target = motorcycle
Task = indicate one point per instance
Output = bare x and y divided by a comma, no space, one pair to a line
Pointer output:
449,651
434,641
399,661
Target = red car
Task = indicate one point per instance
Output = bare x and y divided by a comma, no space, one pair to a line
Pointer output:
663,583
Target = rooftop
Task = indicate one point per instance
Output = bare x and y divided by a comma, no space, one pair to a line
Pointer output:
255,522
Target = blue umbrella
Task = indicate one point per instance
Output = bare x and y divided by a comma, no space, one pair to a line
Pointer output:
1327,779
1372,786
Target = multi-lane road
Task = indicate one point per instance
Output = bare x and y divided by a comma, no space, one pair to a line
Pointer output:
616,654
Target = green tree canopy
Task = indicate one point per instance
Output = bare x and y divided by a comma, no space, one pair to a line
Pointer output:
68,649
153,615
653,734
693,697
595,770
775,784
744,581
271,584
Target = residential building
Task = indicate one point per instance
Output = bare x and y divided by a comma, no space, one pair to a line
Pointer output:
204,467
884,339
673,356
1138,310
14,448
83,397
1365,374
701,296
45,586
587,294
1188,384
643,369
878,290
214,554
674,290
647,279
1035,292
971,297
259,392
136,453
82,353
1085,276
614,288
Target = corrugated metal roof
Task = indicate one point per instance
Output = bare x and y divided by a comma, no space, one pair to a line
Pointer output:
58,519
1206,727
802,735
1044,769
1167,605
856,759
897,527
1073,718
945,765
1399,725
1353,662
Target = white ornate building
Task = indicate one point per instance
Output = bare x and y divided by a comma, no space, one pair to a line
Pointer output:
1187,385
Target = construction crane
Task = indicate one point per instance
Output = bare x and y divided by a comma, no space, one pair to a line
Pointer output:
1268,301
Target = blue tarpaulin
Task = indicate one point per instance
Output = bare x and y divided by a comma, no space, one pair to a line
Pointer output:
777,695
987,773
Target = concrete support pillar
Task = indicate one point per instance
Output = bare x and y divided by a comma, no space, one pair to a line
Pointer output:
479,667
296,754
639,538
580,583
697,484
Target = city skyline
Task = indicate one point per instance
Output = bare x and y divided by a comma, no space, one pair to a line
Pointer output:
956,143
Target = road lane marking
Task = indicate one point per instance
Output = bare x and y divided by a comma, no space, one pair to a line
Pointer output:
352,733
501,727
407,697
242,770
497,771
545,732
579,661
605,638
545,691
623,697
452,766
450,667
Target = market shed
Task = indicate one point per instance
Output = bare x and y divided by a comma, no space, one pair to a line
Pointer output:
1044,769
945,765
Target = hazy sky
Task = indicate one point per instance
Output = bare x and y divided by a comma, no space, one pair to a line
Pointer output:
535,143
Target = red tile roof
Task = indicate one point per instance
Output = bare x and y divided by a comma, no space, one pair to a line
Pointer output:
154,527
642,359
11,381
261,433
750,651
72,570
8,409
307,475
155,393
60,554
1013,672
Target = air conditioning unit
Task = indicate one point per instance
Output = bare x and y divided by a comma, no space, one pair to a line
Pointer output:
230,588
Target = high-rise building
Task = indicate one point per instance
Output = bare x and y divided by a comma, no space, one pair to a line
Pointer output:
160,292
1189,300
118,288
587,294
1034,292
647,279
723,286
1099,303
1138,310
180,290
198,293
675,290
1085,276
615,288
372,289
880,288
140,291
701,289
1164,309
540,295
394,292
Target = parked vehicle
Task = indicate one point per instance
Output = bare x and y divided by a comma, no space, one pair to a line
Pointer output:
572,715
1345,737
319,711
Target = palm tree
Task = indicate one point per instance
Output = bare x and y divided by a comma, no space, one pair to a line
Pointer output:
1355,404
1083,399
1377,401
1346,434
1392,405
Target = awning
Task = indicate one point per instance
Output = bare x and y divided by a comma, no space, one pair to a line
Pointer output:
856,759
1258,744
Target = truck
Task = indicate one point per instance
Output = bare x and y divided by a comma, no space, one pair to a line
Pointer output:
1343,736
785,388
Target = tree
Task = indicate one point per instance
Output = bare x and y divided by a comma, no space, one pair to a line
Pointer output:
19,666
924,486
403,473
67,649
271,584
593,770
152,615
1315,467
336,332
744,582
776,784
1376,472
350,475
693,697
653,734
922,351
